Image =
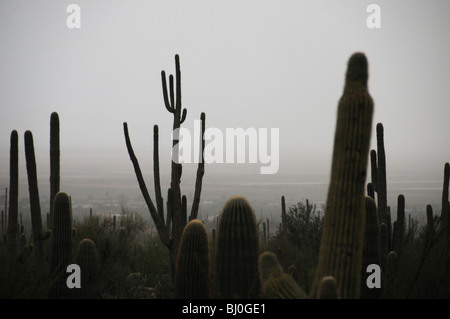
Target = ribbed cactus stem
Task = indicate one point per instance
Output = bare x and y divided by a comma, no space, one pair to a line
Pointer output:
192,278
381,175
237,250
430,217
268,265
86,257
445,213
328,288
61,248
13,227
275,283
399,225
283,214
373,168
384,244
370,190
35,206
344,219
371,250
54,159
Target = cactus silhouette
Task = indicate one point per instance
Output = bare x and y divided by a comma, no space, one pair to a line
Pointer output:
275,283
13,226
175,215
328,288
61,248
371,250
54,159
445,209
86,257
340,253
192,279
399,225
237,250
35,206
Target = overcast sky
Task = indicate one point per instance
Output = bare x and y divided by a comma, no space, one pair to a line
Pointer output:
250,64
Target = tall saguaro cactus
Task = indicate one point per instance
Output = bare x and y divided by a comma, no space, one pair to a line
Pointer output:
340,253
175,217
35,206
12,234
54,159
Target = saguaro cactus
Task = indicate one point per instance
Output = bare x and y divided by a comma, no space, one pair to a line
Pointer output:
86,258
61,248
35,206
340,253
13,226
175,217
237,250
275,283
445,211
381,176
371,250
54,159
399,225
328,288
192,279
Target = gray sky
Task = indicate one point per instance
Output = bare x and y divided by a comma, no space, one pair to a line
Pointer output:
260,64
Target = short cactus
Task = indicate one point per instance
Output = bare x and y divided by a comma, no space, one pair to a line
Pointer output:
61,248
192,278
86,258
275,283
237,250
328,288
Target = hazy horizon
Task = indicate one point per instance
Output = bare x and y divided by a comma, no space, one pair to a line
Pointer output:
253,64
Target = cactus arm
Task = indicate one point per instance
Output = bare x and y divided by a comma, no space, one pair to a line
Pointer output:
162,231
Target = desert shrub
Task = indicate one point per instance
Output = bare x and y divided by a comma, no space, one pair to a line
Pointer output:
297,247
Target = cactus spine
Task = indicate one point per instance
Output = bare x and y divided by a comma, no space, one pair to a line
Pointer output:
275,283
12,232
340,253
192,277
61,248
87,258
237,250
